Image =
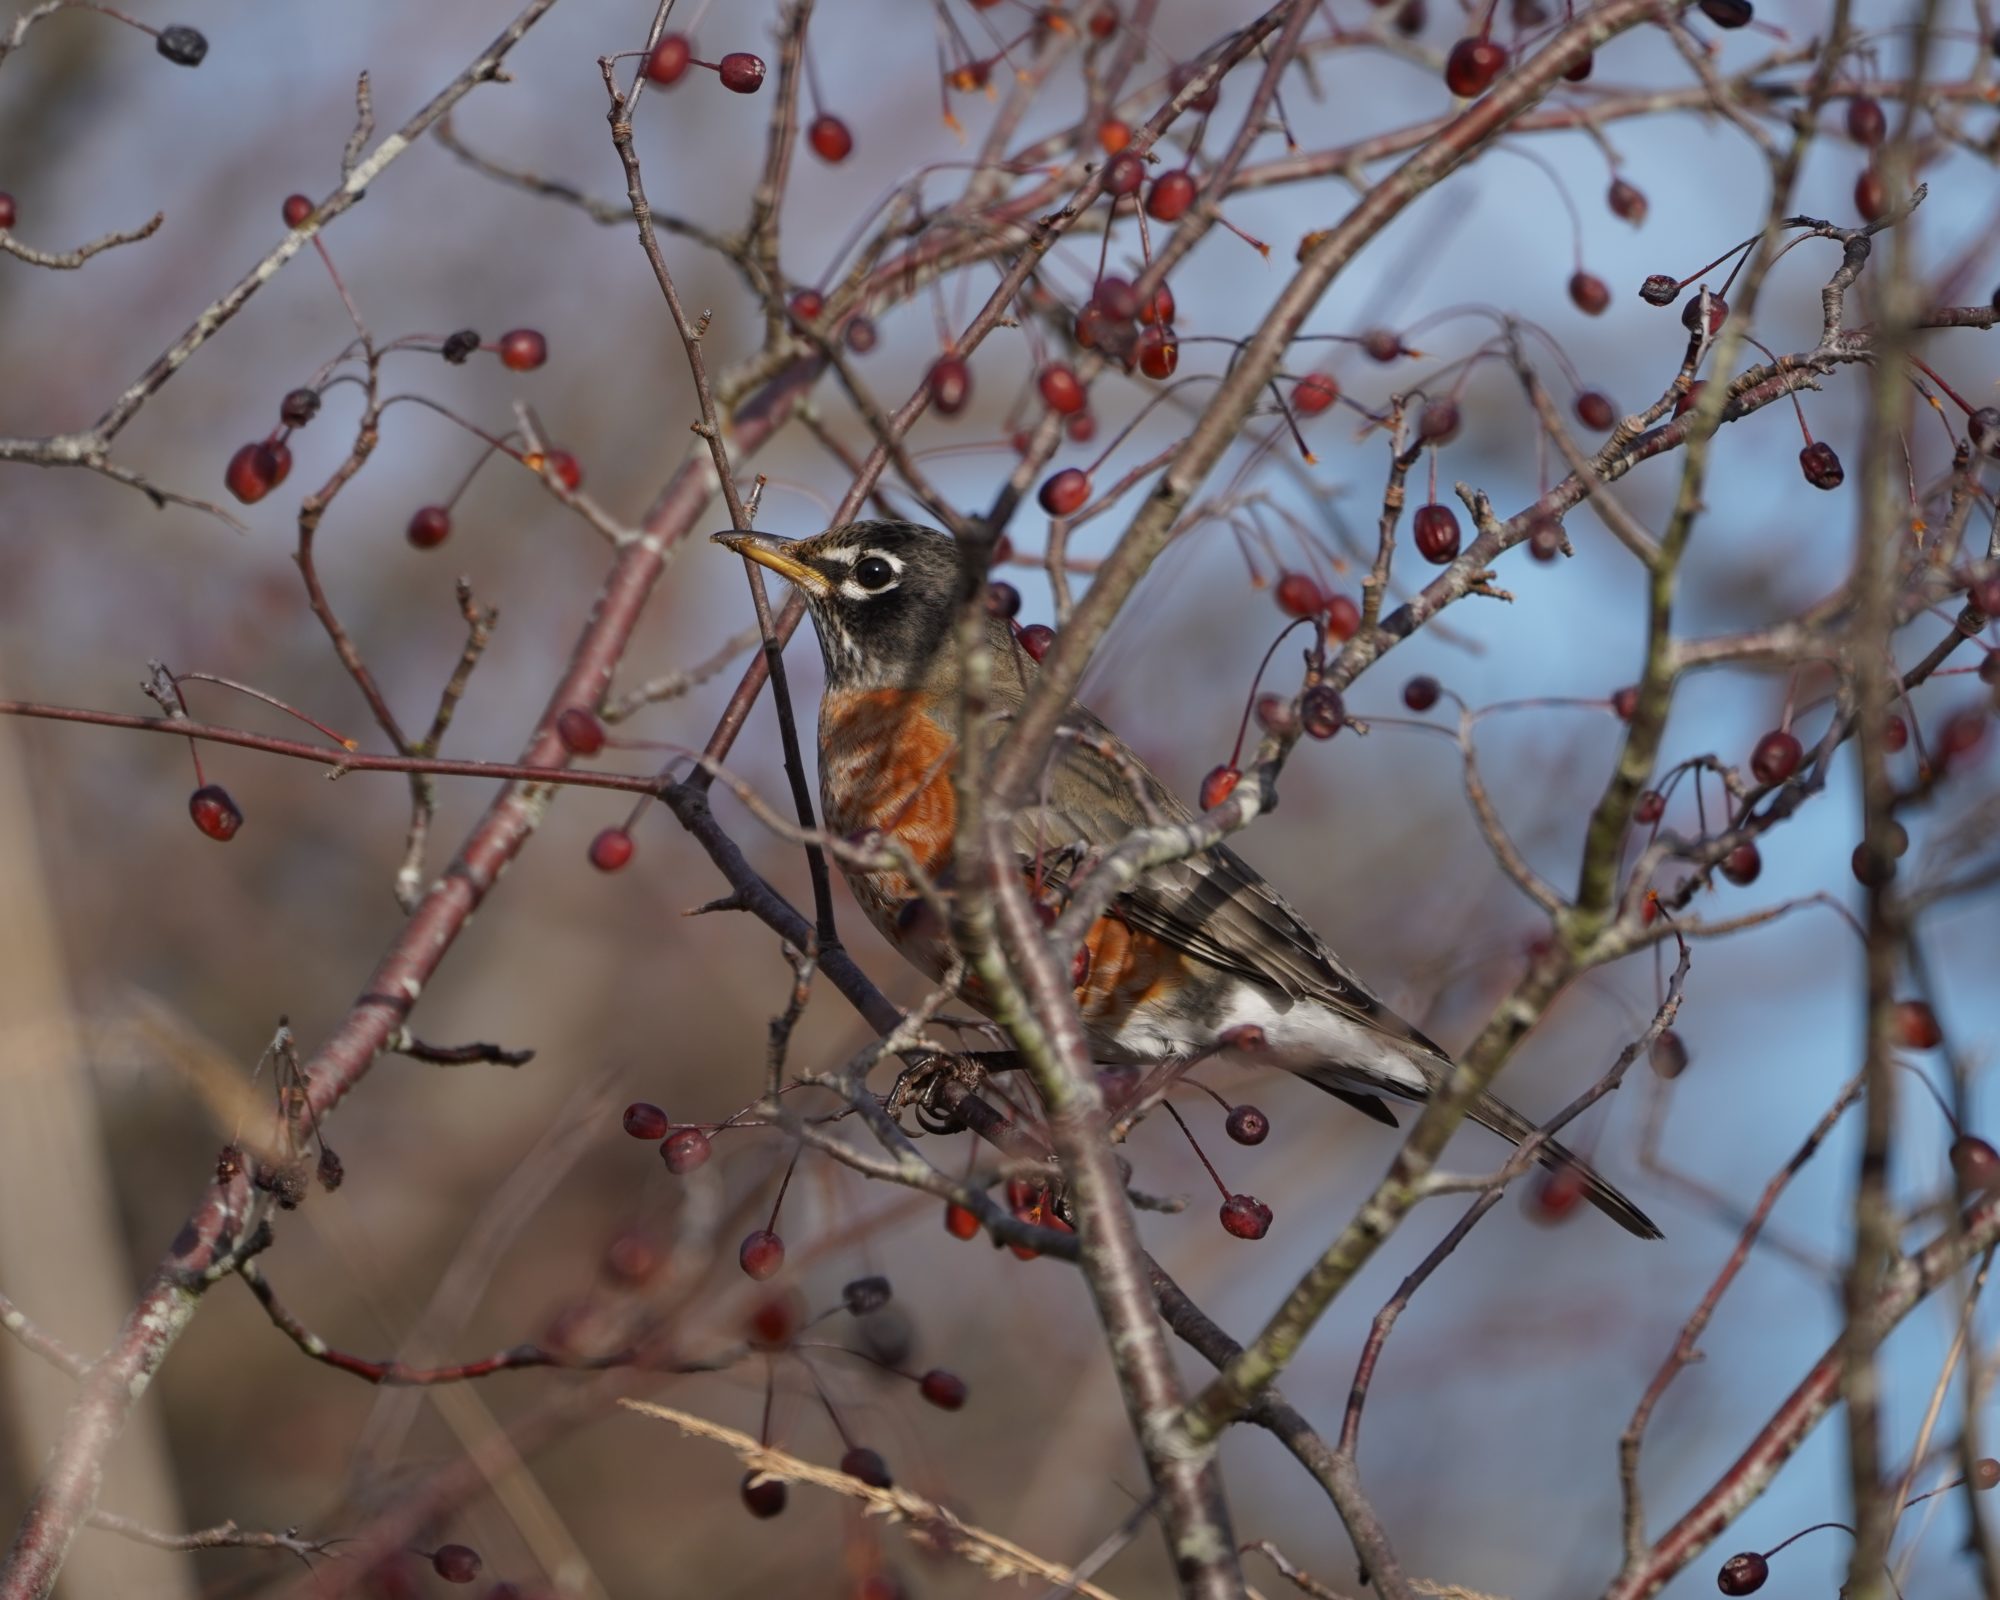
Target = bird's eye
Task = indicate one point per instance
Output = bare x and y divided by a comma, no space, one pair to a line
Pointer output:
873,573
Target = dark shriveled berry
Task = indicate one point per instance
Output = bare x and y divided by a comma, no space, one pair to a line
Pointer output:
182,45
458,347
1660,290
1322,711
298,407
1821,465
1728,13
1627,201
1745,1573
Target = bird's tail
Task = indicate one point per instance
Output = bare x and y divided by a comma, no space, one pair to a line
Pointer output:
1516,1129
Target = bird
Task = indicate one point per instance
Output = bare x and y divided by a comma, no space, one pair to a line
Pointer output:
1191,952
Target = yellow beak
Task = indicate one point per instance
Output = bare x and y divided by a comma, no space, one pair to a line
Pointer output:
773,553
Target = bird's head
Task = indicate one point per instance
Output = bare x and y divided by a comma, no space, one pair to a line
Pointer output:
881,595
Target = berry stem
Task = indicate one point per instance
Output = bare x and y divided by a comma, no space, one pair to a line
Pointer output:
340,739
1181,1122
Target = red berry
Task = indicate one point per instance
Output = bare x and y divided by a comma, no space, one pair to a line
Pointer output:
523,350
456,1563
863,1463
1159,353
1718,310
6,210
1985,1471
1976,1162
861,335
1274,714
1821,466
580,731
1343,617
945,1390
1651,807
632,1259
1123,173
214,812
1554,1193
1314,393
1003,600
1065,492
1625,703
1322,711
1895,734
1865,122
1961,733
1218,786
1172,193
1627,202
249,473
1668,1055
1545,538
610,850
1871,195
830,138
1435,529
1103,22
1728,14
1917,1026
1081,428
644,1120
950,384
1776,757
277,461
1160,308
1579,69
1245,1218
1299,595
1185,74
776,1319
761,1254
1742,865
1745,1573
1247,1125
1691,398
1115,299
685,1149
429,527
764,1499
668,60
297,209
1589,293
1472,66
1421,693
1595,410
1113,135
565,469
1381,345
960,1223
1060,388
1437,423
1036,638
741,72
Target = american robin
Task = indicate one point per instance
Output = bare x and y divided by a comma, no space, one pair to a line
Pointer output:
1193,950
